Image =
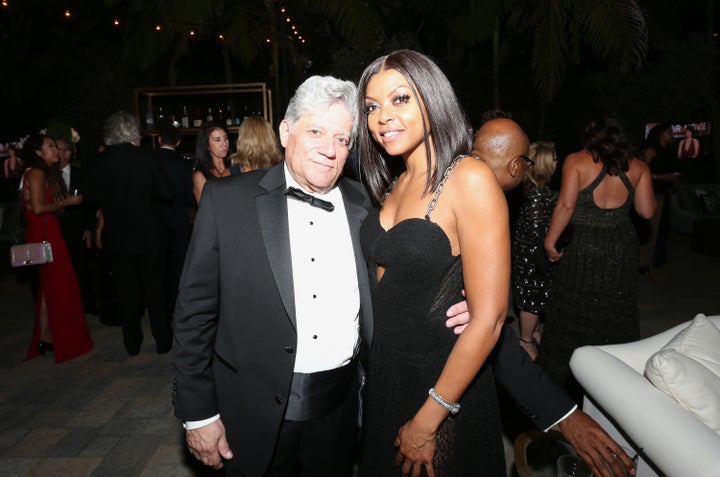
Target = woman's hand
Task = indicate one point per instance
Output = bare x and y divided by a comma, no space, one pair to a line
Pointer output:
72,200
552,254
416,445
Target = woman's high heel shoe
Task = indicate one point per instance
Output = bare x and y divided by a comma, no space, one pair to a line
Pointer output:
43,347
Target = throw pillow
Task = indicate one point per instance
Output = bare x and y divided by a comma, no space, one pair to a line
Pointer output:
687,369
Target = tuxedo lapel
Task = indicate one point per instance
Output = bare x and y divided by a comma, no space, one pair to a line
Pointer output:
356,208
273,217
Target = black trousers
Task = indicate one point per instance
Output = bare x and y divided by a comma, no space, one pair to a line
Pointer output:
137,277
323,447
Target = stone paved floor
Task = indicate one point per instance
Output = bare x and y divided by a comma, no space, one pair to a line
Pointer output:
107,414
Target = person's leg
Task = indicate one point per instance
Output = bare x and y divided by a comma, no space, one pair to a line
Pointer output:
128,301
323,447
528,324
153,278
43,320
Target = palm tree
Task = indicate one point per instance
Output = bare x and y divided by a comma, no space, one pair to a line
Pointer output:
560,32
241,29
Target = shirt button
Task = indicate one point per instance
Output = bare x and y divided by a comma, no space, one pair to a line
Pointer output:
314,337
279,398
289,349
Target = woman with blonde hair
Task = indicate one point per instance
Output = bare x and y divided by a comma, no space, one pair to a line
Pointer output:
532,273
257,146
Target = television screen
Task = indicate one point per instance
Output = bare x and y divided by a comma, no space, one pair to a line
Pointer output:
692,139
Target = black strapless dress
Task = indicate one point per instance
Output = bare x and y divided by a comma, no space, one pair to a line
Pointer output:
422,279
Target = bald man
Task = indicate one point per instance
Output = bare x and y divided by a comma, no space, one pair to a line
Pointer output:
504,146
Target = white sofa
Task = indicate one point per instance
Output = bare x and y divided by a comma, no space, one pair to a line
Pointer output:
669,439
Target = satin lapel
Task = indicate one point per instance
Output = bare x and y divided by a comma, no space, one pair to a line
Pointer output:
273,217
355,207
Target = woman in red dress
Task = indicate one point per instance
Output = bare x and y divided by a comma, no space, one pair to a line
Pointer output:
60,324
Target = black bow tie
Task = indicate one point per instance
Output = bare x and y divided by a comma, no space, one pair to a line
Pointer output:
296,193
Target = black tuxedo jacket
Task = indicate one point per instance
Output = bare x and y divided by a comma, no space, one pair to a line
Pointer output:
235,335
129,185
76,219
177,211
540,398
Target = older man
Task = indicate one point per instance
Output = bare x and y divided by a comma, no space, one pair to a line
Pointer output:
273,299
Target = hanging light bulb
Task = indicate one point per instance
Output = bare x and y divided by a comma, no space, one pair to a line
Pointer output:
116,22
157,27
67,13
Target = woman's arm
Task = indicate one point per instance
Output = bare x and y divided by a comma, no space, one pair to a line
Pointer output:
36,181
569,190
696,143
198,183
645,203
480,218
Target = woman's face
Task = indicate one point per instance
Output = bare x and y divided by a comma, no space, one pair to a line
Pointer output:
688,134
394,116
218,144
48,152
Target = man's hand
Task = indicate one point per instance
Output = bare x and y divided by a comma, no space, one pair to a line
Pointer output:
595,446
458,316
208,444
87,237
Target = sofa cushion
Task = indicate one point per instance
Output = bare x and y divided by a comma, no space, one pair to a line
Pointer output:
688,370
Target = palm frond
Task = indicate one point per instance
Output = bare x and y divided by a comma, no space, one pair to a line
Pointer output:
355,20
615,31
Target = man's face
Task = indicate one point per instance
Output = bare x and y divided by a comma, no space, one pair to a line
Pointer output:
316,147
64,152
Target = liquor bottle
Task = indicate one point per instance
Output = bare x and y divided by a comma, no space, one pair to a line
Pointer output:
149,119
161,118
228,116
220,117
209,117
197,120
185,119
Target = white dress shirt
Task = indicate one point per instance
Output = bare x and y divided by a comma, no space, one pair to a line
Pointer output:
327,298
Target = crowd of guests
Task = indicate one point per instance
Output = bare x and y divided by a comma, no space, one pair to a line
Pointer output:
435,237
119,226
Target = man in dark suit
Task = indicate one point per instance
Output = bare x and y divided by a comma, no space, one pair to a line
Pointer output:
76,225
129,185
176,212
273,300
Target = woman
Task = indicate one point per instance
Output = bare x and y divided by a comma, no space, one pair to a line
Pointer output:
688,148
595,290
60,324
532,274
443,223
659,155
211,155
257,146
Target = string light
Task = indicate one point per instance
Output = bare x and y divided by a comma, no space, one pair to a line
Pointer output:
4,3
157,27
67,13
116,22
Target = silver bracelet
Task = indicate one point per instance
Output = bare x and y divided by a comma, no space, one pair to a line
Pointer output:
451,407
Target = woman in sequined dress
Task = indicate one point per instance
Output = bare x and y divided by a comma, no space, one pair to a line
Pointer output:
532,273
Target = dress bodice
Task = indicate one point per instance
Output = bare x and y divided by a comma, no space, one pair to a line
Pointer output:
587,211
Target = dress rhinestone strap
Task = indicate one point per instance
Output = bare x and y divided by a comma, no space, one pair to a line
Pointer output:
441,186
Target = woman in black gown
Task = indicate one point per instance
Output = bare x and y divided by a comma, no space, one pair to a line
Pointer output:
443,224
595,290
